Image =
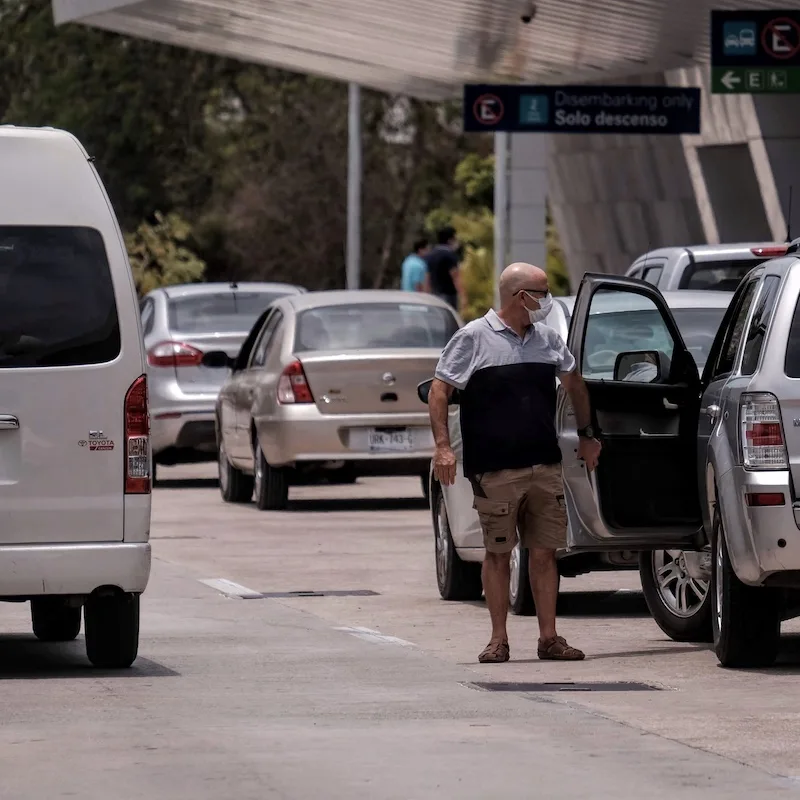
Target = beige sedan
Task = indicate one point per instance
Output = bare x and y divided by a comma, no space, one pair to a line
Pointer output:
326,385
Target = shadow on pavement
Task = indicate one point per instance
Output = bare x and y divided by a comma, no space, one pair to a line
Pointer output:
187,483
657,651
594,604
788,662
360,504
24,657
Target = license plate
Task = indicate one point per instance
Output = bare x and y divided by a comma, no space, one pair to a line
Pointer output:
390,441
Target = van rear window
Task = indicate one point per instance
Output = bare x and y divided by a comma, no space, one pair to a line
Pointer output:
57,305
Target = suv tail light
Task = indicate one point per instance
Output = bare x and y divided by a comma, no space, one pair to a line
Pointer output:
769,252
763,445
137,439
293,386
174,354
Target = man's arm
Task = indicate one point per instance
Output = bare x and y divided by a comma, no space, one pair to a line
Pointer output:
444,460
575,386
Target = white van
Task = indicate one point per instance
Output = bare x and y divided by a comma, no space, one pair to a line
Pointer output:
74,425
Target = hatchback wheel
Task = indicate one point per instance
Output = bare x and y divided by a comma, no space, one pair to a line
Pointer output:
234,485
680,604
54,620
271,484
746,620
457,579
520,597
112,629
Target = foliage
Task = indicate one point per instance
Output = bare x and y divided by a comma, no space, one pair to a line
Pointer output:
159,255
556,261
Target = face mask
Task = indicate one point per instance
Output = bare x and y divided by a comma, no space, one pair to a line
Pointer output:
545,304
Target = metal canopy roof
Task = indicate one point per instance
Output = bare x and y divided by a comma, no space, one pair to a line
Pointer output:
427,48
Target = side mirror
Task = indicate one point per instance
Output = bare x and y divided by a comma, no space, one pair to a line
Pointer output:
640,366
424,389
217,359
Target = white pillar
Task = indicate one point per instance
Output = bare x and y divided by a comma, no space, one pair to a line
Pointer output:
500,209
353,252
528,198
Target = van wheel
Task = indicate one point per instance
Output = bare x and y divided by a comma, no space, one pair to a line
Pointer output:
679,604
457,579
112,629
271,484
234,485
520,596
746,620
53,620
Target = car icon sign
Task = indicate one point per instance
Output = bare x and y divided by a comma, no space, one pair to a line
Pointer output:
732,41
747,37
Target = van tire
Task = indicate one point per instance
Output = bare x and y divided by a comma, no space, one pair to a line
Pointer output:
112,629
234,485
746,620
54,620
271,484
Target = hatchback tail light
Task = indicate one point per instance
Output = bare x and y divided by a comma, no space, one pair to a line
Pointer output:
763,445
137,439
769,252
174,354
293,386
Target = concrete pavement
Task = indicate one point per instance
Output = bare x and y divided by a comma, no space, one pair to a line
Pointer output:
371,696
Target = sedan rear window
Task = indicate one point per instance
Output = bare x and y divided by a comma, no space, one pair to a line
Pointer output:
373,326
57,305
720,276
232,311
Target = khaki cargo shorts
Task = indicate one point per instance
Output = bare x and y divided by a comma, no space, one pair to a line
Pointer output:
529,500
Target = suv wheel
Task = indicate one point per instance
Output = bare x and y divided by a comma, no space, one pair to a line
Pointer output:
457,579
520,597
746,620
54,620
680,604
112,629
271,484
234,485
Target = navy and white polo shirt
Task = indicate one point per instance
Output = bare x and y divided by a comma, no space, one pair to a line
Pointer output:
507,392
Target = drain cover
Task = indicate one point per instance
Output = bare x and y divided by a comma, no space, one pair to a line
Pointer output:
330,593
618,686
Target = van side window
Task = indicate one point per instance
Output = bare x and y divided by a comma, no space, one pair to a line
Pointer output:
733,336
762,314
57,305
792,363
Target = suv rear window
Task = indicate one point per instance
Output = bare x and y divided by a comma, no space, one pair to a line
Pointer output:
721,276
57,305
232,311
792,363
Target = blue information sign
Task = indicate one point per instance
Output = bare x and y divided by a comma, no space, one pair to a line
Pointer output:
581,109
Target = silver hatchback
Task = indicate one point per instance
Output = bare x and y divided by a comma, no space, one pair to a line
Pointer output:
181,323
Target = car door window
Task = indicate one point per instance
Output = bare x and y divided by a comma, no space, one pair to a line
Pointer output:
148,316
622,322
262,344
756,333
653,274
734,333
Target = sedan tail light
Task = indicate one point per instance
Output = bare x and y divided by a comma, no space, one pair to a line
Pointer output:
762,441
293,386
137,439
174,354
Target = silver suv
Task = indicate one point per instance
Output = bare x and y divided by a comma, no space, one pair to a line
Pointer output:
704,467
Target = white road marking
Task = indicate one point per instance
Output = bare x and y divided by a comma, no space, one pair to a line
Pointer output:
229,588
369,635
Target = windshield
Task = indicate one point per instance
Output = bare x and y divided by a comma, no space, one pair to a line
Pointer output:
722,276
373,326
231,311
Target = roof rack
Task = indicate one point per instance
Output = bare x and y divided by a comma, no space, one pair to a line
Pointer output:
794,247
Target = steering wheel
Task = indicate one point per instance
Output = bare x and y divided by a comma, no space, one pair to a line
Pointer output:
602,359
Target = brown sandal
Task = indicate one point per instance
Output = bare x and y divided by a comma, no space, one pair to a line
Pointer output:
495,653
557,649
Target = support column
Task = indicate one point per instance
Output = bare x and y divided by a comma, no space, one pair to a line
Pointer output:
528,198
501,141
353,251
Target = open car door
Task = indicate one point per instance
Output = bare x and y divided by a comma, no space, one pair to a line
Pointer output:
645,393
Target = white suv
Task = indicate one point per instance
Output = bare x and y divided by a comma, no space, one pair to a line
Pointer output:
74,424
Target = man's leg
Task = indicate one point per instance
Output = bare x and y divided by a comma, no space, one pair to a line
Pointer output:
495,575
543,573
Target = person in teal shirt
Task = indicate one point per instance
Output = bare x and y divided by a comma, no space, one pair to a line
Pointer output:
415,268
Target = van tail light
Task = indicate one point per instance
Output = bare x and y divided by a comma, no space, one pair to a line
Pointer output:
293,386
769,252
137,439
762,499
174,354
762,441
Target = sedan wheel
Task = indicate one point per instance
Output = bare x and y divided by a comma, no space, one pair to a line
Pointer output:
456,579
234,485
271,484
679,603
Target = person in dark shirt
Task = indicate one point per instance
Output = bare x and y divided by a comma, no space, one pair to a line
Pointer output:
505,366
444,279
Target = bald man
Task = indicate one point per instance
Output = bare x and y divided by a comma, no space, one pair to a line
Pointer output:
504,366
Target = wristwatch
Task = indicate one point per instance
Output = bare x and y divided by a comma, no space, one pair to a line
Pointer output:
587,433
